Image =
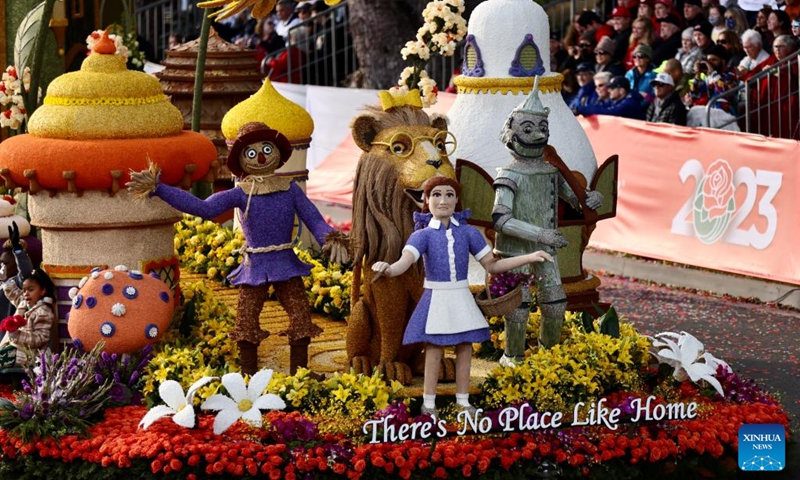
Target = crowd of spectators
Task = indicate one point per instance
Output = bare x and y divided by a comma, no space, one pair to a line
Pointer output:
297,43
657,59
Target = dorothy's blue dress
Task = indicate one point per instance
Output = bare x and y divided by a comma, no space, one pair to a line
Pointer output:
446,314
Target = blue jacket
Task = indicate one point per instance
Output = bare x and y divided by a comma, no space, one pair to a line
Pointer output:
587,95
630,106
642,83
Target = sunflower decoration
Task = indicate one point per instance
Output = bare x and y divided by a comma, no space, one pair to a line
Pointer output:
261,8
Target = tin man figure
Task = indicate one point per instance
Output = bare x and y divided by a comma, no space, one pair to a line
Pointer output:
525,214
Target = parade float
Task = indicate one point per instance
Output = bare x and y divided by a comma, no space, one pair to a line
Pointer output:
605,402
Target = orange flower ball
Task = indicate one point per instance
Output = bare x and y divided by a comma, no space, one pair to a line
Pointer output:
124,309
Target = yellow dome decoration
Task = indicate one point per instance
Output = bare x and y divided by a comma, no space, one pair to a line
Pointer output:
85,105
279,113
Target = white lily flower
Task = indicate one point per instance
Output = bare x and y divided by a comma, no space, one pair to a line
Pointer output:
688,357
178,405
245,401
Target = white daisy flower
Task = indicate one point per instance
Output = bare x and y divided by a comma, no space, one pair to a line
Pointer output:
178,405
245,401
118,310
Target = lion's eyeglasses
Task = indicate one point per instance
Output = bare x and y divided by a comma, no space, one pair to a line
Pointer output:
403,145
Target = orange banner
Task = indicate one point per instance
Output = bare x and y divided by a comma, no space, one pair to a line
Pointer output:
714,199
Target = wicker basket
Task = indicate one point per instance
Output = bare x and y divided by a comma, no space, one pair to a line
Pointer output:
497,307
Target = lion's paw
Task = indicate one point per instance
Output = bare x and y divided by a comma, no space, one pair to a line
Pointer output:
447,370
361,365
398,371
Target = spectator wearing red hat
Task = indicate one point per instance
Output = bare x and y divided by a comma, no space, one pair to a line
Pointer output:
590,21
646,10
621,21
668,41
693,13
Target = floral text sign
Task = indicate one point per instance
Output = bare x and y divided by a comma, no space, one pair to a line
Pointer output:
523,418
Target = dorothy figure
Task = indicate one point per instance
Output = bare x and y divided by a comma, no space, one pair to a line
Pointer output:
447,314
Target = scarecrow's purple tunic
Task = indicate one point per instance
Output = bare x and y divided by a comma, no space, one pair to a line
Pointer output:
447,306
269,222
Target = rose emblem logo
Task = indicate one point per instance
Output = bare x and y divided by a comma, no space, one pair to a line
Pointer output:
714,202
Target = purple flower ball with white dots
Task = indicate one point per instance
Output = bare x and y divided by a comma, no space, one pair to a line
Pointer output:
107,329
77,301
130,292
135,275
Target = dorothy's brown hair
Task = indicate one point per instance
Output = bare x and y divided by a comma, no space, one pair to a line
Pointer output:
438,181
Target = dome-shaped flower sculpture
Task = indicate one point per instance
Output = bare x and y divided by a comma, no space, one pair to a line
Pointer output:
96,125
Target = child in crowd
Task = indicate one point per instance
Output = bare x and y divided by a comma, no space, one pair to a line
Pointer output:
32,324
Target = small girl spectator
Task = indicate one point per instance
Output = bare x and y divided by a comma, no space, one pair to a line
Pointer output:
32,324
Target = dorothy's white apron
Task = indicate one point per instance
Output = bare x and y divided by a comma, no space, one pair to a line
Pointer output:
453,309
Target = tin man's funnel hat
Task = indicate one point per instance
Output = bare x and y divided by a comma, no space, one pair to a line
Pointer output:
532,103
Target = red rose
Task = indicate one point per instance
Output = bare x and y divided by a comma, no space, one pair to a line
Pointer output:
717,189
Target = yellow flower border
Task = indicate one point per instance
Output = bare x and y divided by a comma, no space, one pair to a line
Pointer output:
104,101
549,84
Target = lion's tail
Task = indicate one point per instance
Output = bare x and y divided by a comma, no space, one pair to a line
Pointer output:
355,289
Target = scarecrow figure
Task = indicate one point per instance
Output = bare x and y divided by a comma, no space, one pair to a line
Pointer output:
267,206
525,217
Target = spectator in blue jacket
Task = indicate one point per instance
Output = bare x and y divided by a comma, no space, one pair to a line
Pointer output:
586,93
641,75
623,103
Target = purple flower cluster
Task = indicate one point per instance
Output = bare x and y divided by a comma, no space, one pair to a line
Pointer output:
502,283
62,396
399,412
293,429
125,374
740,390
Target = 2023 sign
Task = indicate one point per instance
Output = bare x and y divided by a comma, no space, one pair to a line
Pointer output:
711,213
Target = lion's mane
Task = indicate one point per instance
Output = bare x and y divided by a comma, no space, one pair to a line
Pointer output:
380,234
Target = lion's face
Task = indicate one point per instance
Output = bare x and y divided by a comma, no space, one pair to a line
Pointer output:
402,148
417,153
